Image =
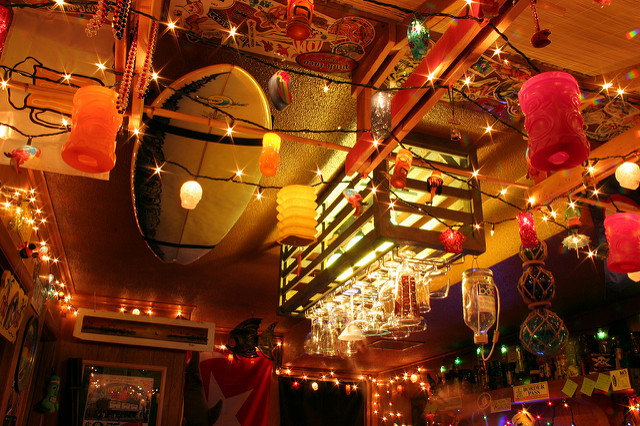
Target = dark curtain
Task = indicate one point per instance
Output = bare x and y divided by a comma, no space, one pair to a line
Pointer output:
330,405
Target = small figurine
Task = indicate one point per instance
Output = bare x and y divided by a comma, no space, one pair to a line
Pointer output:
49,403
21,155
355,200
246,339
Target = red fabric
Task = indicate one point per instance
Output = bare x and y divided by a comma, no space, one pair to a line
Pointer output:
244,384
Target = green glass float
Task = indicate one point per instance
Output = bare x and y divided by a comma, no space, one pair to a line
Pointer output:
537,254
536,285
543,333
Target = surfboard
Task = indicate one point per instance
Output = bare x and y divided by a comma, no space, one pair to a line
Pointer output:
184,149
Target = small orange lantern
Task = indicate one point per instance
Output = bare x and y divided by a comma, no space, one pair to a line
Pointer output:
270,156
404,159
92,144
299,17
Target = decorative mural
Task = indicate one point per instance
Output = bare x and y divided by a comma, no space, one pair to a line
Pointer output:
494,84
261,29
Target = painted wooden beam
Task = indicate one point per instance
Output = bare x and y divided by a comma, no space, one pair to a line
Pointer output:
459,48
375,57
570,181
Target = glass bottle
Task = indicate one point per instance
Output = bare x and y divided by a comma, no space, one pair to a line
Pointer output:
406,310
478,302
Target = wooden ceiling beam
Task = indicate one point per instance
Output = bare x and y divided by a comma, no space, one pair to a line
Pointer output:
375,57
458,48
570,181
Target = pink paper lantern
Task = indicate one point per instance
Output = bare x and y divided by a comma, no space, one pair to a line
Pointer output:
551,104
623,235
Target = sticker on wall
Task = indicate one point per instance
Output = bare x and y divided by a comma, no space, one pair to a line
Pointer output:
13,302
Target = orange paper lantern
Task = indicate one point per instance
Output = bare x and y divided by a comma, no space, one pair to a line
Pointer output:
92,144
270,156
404,159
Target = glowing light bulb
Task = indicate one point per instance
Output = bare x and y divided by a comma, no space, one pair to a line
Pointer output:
190,194
171,25
154,75
232,32
606,86
488,129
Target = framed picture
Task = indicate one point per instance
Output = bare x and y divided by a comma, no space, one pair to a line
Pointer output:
116,394
153,331
27,354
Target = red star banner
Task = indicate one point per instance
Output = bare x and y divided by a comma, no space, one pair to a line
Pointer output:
243,385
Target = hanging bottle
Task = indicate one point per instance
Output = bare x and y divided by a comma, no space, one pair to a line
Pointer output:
478,302
406,310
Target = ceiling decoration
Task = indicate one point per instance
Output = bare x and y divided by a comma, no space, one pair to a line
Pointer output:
334,45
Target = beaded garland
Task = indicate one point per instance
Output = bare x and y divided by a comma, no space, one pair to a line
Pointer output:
125,83
120,15
99,17
143,82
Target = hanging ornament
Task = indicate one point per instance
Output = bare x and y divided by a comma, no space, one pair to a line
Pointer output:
127,76
404,159
434,185
270,155
120,16
634,276
21,155
537,254
99,17
628,175
414,378
381,115
314,386
190,194
623,235
540,38
575,240
147,69
418,38
536,285
355,200
523,418
527,227
92,143
543,333
452,240
551,104
478,302
280,90
296,215
455,134
490,8
299,18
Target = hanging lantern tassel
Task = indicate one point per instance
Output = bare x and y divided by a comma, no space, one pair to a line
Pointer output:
434,185
527,226
452,240
540,38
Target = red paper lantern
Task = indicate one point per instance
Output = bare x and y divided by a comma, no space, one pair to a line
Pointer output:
5,20
452,240
299,17
551,104
527,227
92,144
623,235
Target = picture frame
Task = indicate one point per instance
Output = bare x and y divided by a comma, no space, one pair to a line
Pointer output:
141,330
118,394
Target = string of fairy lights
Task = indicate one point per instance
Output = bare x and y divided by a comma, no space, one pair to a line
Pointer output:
548,216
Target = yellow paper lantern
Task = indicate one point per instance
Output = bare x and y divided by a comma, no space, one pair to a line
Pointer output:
297,215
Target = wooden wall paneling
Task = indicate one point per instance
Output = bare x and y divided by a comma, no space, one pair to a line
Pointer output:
173,361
